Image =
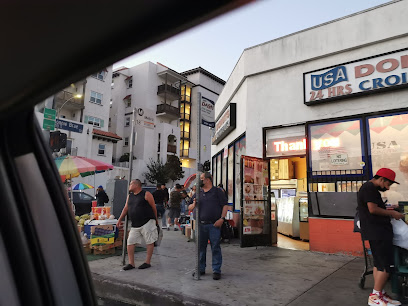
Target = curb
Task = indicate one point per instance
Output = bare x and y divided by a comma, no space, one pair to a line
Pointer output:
138,294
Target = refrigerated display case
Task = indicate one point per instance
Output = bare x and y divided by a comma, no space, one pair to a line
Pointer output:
288,216
303,219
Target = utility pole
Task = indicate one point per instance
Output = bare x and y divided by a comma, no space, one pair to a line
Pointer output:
130,179
197,221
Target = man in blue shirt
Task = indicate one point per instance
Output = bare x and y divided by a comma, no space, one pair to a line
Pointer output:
213,206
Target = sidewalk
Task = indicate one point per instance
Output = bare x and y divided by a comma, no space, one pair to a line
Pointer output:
250,276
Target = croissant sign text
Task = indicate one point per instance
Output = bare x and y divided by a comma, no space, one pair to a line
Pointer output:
360,77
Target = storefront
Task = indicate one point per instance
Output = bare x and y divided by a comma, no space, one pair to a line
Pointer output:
327,109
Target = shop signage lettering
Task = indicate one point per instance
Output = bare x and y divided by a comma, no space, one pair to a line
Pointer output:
225,123
339,159
359,77
207,112
289,146
317,144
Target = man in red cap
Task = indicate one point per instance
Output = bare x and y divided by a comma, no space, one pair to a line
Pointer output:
377,229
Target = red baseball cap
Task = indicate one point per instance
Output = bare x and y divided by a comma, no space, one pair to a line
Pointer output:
387,173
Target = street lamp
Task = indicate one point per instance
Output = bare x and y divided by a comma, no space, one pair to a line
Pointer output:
77,96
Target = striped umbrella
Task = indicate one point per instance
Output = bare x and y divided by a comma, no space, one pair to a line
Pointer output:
82,186
73,166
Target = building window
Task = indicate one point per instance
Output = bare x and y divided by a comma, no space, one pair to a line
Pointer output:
185,93
130,82
110,122
94,121
127,121
128,102
337,161
101,150
126,141
388,147
100,75
96,97
240,149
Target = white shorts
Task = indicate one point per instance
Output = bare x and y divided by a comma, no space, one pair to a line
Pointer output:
148,232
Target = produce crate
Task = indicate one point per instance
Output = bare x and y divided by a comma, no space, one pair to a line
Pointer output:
87,248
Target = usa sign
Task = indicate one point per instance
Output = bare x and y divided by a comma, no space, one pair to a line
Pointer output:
378,73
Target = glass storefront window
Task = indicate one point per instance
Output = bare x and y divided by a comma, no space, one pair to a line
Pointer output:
219,173
240,149
336,147
231,174
388,147
214,168
224,169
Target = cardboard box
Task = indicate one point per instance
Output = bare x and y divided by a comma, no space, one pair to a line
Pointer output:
102,235
188,232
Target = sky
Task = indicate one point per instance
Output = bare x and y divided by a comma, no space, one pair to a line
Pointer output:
218,44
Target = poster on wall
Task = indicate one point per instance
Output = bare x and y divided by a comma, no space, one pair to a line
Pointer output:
255,205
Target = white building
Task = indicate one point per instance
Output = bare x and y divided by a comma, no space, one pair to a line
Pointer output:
329,103
166,114
83,114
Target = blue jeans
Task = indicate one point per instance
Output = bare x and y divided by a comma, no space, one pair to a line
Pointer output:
209,231
161,212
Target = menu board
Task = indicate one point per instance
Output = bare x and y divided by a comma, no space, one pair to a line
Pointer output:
255,195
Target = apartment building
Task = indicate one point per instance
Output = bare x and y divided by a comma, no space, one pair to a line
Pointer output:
166,114
82,112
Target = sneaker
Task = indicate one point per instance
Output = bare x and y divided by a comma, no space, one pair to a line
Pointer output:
164,227
175,229
216,276
128,267
390,300
377,300
144,266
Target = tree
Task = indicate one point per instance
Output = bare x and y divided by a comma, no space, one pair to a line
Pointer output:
157,172
125,157
173,168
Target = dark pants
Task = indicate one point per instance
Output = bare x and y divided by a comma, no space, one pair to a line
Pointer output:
161,212
212,233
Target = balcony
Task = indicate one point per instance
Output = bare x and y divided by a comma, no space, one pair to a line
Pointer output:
171,148
168,111
168,92
74,104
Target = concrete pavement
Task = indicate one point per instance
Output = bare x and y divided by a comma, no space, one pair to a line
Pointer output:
250,276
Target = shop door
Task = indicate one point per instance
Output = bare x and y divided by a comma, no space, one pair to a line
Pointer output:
255,202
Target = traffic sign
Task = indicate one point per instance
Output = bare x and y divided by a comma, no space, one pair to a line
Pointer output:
49,124
50,113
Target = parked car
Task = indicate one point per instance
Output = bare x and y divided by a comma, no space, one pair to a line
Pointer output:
48,46
82,202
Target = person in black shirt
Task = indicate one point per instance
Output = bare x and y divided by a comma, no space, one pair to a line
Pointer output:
213,207
101,197
143,214
377,229
160,198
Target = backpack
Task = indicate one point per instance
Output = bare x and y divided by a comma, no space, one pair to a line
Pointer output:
106,198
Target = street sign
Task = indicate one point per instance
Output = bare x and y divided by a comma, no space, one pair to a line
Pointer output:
49,124
50,113
49,119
